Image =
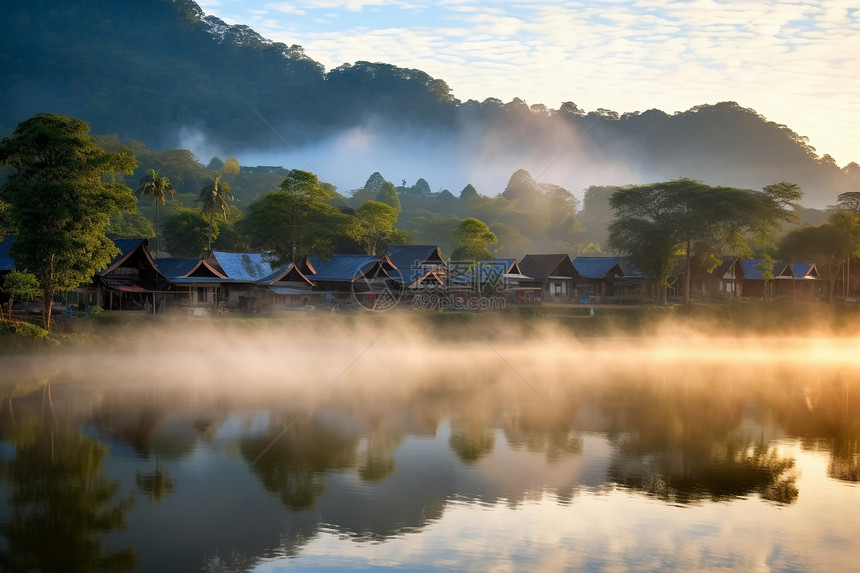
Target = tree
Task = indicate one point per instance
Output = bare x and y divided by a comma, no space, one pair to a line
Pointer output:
20,285
187,233
59,202
473,237
215,164
129,225
373,224
829,245
232,167
849,201
388,195
214,197
654,222
292,222
157,189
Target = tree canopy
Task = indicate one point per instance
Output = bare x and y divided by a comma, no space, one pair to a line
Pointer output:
655,222
373,225
473,238
297,220
60,202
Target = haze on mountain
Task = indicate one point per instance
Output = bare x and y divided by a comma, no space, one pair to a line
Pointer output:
163,73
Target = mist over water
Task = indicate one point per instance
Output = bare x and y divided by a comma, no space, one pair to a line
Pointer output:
382,439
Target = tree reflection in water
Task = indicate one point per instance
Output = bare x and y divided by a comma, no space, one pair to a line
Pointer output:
292,458
60,502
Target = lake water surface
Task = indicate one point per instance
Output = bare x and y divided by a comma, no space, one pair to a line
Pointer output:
269,451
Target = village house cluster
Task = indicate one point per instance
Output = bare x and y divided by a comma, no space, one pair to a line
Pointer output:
415,276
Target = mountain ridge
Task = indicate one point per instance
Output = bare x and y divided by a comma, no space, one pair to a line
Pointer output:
161,69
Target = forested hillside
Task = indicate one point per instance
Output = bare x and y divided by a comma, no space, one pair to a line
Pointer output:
156,70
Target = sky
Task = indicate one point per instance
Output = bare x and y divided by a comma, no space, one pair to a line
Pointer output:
796,62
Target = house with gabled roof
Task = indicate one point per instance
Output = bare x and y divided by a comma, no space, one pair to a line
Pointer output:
242,270
598,276
356,278
726,280
288,288
553,272
198,284
131,280
416,257
792,281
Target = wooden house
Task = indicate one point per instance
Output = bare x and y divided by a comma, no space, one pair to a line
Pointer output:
554,274
416,257
288,288
598,276
726,280
792,281
131,280
357,278
197,284
243,271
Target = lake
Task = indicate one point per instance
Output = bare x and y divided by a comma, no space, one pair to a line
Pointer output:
281,447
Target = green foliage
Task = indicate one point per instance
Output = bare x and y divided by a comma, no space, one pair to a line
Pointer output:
94,312
473,237
22,331
373,225
388,195
215,197
231,166
297,220
18,285
156,189
187,233
129,225
655,221
60,202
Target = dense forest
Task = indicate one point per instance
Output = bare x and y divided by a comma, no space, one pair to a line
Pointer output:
155,70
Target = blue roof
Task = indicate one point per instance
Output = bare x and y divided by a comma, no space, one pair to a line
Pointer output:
316,262
173,267
801,270
243,266
751,272
596,267
411,256
6,262
345,267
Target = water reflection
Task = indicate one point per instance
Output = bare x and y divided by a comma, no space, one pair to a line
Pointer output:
60,502
234,477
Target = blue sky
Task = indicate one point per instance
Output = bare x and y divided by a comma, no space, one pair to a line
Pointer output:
796,62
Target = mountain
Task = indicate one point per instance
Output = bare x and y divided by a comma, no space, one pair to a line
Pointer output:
164,73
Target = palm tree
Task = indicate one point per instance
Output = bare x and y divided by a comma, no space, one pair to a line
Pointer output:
214,197
156,189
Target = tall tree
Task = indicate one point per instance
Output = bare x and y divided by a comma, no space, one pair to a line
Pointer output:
157,189
373,225
187,233
473,237
60,203
215,197
656,221
296,220
388,195
830,245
